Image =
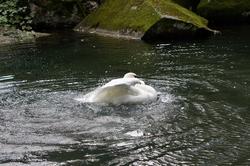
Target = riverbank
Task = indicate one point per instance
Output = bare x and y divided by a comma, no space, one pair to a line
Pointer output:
147,20
11,35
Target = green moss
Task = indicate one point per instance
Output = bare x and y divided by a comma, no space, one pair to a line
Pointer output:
126,16
170,9
117,14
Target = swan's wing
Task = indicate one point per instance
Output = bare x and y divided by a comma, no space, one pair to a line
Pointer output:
123,82
113,92
117,90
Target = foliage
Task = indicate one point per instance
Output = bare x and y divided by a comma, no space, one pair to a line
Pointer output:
15,13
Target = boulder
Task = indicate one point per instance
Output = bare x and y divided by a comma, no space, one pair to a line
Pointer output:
225,11
59,14
144,19
10,35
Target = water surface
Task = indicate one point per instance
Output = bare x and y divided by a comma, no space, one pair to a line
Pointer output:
201,118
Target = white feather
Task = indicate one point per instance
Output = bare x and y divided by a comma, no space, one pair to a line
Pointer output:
123,90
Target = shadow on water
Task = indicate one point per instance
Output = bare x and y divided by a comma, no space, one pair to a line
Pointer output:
201,118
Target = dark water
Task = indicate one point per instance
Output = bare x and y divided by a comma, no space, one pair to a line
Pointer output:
201,118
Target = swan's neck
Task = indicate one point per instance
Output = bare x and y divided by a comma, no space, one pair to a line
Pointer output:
129,75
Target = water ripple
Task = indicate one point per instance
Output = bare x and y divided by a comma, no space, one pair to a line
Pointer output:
201,117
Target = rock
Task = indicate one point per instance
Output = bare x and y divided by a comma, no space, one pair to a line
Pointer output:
144,19
9,35
225,11
59,14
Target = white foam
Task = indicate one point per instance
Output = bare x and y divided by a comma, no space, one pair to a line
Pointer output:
135,133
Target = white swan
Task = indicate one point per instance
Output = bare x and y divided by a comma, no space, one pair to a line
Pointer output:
123,90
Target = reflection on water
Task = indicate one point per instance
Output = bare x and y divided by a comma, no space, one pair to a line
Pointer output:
201,118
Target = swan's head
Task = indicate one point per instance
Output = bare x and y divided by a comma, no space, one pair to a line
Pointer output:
130,75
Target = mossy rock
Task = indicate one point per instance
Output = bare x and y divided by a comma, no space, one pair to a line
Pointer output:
145,19
225,11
